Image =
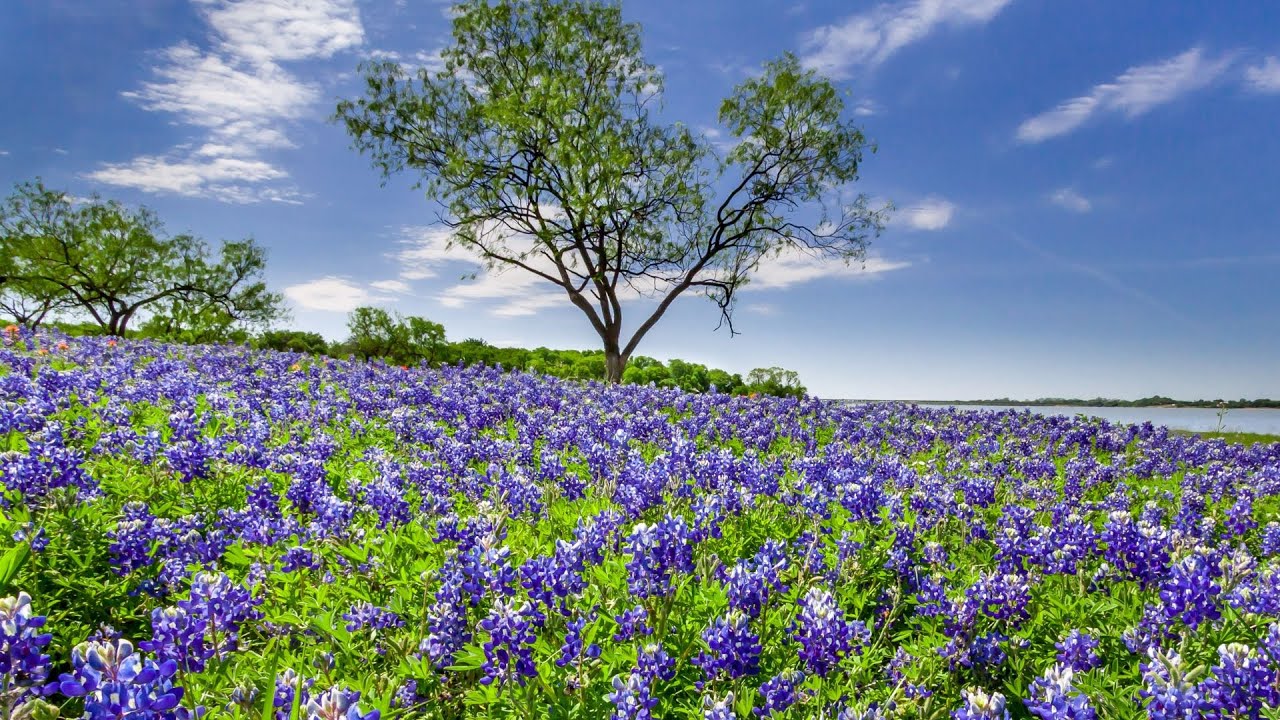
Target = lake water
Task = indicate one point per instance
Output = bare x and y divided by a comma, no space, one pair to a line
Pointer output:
1260,420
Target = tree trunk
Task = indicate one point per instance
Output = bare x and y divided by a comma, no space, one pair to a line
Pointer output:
614,364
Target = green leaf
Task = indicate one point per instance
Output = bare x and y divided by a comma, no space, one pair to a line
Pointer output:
11,564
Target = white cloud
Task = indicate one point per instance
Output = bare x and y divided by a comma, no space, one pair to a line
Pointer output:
1104,162
513,292
869,38
932,213
3,153
795,266
517,292
395,286
271,30
1264,78
425,249
229,179
238,96
762,309
241,104
1136,91
60,151
1069,199
332,294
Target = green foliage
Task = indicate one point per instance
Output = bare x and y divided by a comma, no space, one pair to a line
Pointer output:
376,333
538,136
293,341
775,381
114,264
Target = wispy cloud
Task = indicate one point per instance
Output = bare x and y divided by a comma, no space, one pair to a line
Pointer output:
333,294
3,153
237,97
511,292
870,38
794,267
1067,198
1134,92
395,286
931,213
1103,277
767,309
1264,78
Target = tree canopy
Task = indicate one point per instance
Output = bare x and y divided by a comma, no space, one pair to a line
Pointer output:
112,263
541,137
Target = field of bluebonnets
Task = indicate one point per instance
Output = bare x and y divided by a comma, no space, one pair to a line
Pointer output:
220,532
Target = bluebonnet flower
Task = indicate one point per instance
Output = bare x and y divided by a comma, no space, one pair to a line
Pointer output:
204,626
1001,597
244,699
1271,539
336,704
34,536
654,663
288,686
895,672
779,693
978,705
24,667
987,649
367,615
1242,685
447,626
1137,550
117,682
299,558
1054,697
931,597
1169,692
407,695
732,648
1152,631
574,649
721,709
1078,651
632,697
825,636
849,712
1190,591
659,552
508,652
631,623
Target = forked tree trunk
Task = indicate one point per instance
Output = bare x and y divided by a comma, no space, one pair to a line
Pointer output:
615,363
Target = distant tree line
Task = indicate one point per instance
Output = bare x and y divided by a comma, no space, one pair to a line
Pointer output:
375,333
1153,401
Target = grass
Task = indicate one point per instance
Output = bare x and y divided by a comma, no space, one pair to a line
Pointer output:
1244,438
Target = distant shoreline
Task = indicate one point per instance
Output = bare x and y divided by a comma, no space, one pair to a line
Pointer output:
1151,402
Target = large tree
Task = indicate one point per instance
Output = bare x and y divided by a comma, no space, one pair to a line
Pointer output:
541,138
112,263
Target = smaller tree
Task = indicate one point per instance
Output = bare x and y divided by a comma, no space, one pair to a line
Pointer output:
775,381
293,341
374,333
115,263
424,340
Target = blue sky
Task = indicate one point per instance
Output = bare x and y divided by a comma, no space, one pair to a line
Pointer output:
1087,192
